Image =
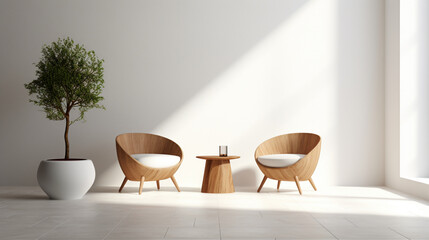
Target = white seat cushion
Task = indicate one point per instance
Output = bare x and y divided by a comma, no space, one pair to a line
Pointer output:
280,160
156,160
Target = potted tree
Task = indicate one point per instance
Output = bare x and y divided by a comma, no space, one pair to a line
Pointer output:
68,77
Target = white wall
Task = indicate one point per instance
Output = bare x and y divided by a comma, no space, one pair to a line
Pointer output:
406,96
414,88
204,73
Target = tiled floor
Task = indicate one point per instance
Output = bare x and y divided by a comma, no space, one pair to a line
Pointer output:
330,213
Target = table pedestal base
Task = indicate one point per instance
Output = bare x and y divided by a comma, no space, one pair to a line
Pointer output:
217,177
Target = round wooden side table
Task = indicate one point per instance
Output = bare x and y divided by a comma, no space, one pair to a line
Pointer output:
217,174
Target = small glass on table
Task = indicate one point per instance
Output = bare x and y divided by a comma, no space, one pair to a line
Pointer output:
223,151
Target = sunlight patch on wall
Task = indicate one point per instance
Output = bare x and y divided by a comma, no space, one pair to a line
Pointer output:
414,89
284,84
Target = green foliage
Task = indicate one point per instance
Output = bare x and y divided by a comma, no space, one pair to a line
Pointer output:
68,77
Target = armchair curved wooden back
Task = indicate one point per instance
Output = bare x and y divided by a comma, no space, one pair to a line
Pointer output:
136,143
294,143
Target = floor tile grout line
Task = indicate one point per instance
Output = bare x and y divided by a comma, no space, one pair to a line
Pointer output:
323,226
58,225
393,230
165,235
218,220
120,221
41,220
351,222
61,213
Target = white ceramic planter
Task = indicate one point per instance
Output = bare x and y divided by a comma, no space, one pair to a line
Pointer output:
66,179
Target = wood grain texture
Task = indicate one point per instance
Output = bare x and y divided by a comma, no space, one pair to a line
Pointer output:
312,184
141,185
123,184
262,183
294,143
217,174
214,157
135,143
175,183
297,185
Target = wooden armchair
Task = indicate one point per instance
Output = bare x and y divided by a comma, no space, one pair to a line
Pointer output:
143,143
295,143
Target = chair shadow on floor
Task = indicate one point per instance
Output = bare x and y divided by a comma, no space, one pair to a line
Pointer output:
244,179
132,189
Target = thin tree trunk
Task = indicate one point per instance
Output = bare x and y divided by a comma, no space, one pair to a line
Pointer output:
66,138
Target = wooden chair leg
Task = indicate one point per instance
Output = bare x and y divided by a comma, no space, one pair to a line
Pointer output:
278,185
312,184
157,184
262,183
141,185
297,184
123,184
175,183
